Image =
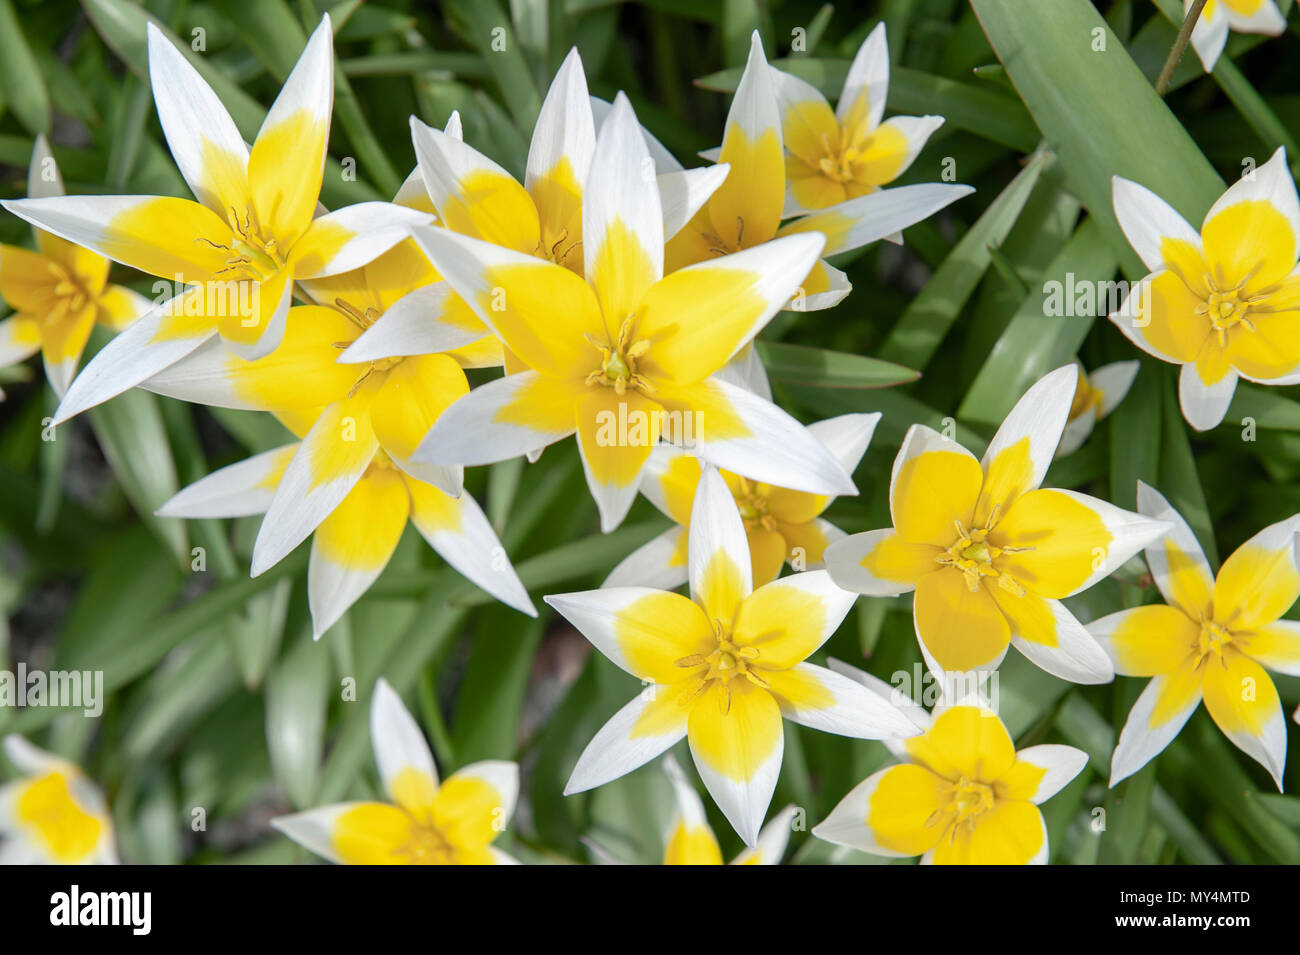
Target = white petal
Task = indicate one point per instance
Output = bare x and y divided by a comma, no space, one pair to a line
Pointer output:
833,602
503,776
837,290
273,333
663,158
1062,763
474,549
1204,406
744,801
565,128
1114,381
652,564
754,108
716,530
303,499
446,162
894,695
866,219
469,431
314,829
31,760
333,587
745,370
1077,430
197,126
684,193
1209,35
689,808
616,750
129,358
1153,504
374,227
1146,220
1077,656
853,711
869,75
771,841
1139,742
1039,416
1129,532
778,450
613,499
1271,183
844,560
309,86
13,347
411,326
1266,19
397,740
847,824
237,490
846,436
621,189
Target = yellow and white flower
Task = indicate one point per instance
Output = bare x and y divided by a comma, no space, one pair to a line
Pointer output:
834,156
962,796
722,668
351,479
54,815
690,840
628,355
782,525
1223,303
1096,396
747,209
990,554
427,822
1218,17
238,250
1212,640
59,291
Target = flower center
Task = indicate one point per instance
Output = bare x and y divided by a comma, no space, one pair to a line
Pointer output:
976,558
1212,640
426,844
970,798
363,319
68,288
618,362
253,258
752,502
727,661
840,156
557,248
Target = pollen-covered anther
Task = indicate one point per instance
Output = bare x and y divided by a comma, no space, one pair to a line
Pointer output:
618,362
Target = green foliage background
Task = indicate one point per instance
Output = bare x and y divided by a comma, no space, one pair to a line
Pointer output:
220,700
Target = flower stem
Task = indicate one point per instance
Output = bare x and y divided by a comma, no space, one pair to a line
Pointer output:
1179,47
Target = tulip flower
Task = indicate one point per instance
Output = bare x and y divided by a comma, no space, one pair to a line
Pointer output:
1213,639
54,815
1220,303
722,668
1218,17
1095,397
747,209
990,554
427,822
236,252
59,290
963,795
629,354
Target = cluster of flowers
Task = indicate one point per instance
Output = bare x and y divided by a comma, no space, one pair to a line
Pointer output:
614,285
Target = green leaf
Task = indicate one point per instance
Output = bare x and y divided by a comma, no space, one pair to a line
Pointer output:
131,433
491,696
1035,341
20,76
1097,111
823,368
922,327
297,696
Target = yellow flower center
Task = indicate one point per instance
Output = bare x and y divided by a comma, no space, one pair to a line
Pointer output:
970,798
1226,310
253,256
727,661
751,499
557,248
839,156
976,558
618,362
426,844
1212,640
68,288
363,319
